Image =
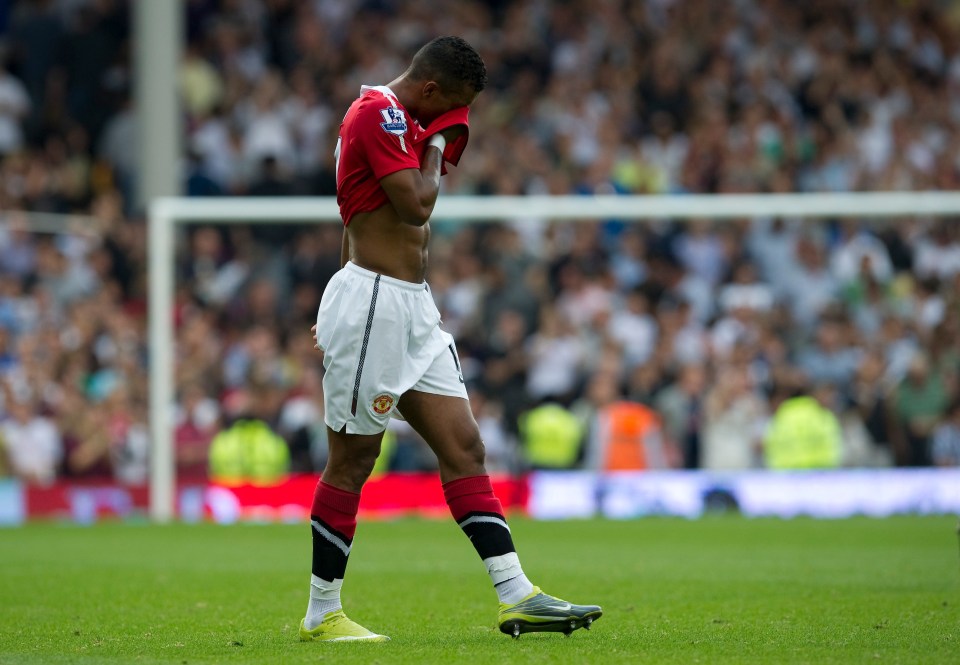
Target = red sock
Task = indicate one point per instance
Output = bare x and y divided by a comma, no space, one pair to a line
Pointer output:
471,495
337,508
480,515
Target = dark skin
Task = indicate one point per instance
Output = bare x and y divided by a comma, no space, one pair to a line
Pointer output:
392,240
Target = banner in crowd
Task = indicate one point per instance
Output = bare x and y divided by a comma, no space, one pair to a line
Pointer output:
387,496
542,495
829,494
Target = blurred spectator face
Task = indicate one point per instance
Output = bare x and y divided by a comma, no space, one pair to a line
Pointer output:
871,368
919,369
551,324
809,254
192,396
604,389
207,243
306,298
571,278
829,336
265,402
511,329
745,273
261,343
49,260
637,303
693,379
662,125
21,410
262,298
826,395
645,378
733,380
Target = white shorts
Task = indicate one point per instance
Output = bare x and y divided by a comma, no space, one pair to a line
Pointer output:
381,337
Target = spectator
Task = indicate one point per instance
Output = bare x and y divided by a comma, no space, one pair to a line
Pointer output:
733,419
665,151
812,287
197,423
803,434
681,408
858,249
622,435
829,359
556,357
199,182
550,437
633,328
937,254
505,365
14,106
119,146
701,252
33,444
36,36
631,438
945,449
870,396
267,133
248,452
746,291
127,436
300,423
921,400
201,85
857,447
86,437
772,244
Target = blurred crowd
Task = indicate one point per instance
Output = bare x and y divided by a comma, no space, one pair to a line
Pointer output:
756,343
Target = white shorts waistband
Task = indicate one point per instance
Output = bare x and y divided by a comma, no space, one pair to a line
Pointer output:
385,279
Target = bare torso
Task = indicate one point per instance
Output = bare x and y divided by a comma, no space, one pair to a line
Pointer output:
392,240
380,242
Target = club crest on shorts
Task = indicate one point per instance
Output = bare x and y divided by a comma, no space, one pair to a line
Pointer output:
382,403
394,121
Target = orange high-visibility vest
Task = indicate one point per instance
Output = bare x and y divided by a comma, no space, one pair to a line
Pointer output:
630,437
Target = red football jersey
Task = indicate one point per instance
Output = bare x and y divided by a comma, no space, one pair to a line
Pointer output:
377,138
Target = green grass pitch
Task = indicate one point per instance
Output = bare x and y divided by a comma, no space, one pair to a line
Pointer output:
715,590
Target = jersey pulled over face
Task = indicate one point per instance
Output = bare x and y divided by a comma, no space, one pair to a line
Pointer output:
377,138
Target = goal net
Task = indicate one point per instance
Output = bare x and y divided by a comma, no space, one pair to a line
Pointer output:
169,215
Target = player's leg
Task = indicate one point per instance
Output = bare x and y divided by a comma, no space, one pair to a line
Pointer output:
333,522
447,425
352,369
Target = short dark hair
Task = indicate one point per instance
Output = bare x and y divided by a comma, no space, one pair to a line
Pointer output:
451,62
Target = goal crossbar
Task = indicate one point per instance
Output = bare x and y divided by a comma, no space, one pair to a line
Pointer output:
166,213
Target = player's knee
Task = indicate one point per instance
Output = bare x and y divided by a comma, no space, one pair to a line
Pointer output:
476,451
351,471
470,455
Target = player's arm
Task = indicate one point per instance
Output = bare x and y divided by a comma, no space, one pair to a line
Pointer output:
413,192
345,248
411,182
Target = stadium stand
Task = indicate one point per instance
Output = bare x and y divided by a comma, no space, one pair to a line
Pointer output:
712,325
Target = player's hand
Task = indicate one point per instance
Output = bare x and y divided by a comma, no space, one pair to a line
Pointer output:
313,329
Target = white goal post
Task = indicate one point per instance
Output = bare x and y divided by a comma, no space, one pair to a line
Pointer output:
166,214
